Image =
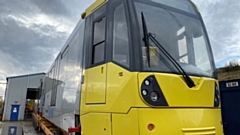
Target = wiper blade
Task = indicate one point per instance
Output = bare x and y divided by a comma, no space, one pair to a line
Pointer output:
186,77
146,38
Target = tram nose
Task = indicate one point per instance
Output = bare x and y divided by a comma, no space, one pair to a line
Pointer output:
161,89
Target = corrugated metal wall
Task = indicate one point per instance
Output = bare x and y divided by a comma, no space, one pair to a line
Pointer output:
17,90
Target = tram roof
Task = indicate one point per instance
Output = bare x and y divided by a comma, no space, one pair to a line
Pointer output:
93,7
99,3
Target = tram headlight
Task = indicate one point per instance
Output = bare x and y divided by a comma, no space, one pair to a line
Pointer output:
154,96
147,82
151,92
144,92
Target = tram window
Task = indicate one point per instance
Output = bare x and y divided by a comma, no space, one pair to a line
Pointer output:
64,52
120,37
99,41
63,65
98,53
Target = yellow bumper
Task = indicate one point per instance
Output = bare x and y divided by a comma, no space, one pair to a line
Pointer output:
180,121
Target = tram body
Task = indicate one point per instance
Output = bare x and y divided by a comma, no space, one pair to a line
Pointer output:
112,76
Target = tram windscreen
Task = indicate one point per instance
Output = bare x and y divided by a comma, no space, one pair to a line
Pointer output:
180,31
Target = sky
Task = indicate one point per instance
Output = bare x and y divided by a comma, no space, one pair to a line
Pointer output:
32,32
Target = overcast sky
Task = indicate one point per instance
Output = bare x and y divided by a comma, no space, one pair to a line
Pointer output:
32,32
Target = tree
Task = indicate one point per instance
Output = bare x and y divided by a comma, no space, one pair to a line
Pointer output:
232,66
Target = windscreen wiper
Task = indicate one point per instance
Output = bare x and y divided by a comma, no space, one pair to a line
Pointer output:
146,38
186,77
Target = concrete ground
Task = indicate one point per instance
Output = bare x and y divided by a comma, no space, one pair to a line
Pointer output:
18,128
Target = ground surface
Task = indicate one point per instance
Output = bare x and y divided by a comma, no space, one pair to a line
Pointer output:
18,128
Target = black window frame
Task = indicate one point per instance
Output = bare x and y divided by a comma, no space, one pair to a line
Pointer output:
88,36
112,5
97,20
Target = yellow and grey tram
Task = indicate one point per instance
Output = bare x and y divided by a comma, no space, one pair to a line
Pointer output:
136,67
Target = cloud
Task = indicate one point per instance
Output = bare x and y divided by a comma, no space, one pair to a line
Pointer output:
53,7
42,24
21,44
10,67
32,32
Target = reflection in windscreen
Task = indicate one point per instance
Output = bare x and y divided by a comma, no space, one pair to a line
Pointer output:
179,4
181,35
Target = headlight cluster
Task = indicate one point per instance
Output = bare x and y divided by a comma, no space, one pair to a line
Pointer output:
216,96
152,93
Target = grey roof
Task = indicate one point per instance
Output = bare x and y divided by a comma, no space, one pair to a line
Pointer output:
25,75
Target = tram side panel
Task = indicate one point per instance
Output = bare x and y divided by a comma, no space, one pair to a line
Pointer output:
63,83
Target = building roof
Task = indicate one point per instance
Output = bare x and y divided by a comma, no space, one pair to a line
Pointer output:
25,75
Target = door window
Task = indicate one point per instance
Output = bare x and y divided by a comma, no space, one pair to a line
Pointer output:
99,41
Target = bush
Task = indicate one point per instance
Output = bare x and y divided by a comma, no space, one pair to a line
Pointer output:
232,66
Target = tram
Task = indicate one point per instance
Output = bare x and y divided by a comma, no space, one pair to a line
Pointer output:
135,67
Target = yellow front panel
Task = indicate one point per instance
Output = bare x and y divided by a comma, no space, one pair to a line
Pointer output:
96,85
180,121
122,88
129,114
96,124
178,94
125,124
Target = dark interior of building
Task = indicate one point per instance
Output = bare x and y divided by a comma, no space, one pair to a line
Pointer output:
31,98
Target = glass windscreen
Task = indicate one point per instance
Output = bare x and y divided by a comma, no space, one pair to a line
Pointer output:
180,32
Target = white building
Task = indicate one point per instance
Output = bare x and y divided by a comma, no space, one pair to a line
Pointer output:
18,90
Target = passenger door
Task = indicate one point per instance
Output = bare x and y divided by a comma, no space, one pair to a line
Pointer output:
96,73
